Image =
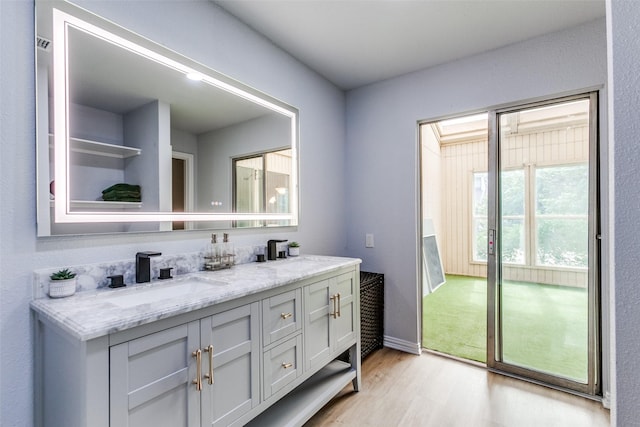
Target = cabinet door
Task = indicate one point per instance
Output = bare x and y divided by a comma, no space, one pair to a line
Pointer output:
234,335
317,316
344,324
151,380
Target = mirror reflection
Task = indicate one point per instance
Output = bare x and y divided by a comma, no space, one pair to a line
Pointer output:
134,137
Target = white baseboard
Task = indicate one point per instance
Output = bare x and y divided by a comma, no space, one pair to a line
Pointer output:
402,345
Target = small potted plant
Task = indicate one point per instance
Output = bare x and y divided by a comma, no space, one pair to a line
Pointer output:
294,249
62,283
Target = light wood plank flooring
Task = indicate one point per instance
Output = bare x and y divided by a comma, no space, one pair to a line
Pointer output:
401,389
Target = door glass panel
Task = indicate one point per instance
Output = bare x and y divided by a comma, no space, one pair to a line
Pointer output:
249,188
543,223
278,177
512,206
562,207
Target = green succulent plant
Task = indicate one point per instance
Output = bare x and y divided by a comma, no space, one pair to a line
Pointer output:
294,245
62,275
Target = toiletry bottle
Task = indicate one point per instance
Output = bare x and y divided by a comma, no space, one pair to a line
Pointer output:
215,250
228,250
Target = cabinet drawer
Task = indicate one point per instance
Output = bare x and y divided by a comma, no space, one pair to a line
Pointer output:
282,365
281,315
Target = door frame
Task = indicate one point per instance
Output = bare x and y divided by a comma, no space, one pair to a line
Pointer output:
594,374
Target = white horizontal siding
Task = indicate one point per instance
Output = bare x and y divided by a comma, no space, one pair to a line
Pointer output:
459,161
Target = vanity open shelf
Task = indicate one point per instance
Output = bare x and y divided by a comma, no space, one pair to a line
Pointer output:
102,204
97,148
103,149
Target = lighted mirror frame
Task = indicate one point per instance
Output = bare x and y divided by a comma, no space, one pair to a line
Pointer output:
62,22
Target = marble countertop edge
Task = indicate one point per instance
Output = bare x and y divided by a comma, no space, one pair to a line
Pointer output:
92,314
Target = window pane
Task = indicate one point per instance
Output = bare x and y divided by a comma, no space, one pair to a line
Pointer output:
512,192
562,201
562,190
479,219
480,193
562,242
480,239
512,240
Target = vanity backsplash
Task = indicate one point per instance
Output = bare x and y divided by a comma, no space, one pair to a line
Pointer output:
95,276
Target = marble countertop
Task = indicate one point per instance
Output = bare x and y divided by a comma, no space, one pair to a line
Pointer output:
91,314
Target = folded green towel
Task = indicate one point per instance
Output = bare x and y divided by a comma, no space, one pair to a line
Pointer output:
122,193
122,187
122,196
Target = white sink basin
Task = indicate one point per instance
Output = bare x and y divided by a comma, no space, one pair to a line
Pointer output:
161,292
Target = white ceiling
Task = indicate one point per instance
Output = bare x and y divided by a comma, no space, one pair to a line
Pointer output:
356,42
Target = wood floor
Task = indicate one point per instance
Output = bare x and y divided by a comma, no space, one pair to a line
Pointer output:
401,389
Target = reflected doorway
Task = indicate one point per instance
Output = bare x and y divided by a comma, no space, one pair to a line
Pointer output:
182,187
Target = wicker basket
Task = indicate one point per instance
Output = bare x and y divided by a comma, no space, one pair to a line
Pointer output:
371,312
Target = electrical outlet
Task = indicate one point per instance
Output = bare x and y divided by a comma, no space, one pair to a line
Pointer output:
368,241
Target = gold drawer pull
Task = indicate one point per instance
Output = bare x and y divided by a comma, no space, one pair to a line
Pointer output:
333,298
209,376
198,381
286,315
338,295
286,365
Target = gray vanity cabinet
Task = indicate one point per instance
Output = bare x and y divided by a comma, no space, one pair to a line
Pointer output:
266,358
330,318
152,377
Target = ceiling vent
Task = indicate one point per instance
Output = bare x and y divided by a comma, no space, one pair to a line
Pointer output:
43,43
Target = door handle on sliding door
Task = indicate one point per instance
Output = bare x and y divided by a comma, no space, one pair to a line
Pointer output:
491,241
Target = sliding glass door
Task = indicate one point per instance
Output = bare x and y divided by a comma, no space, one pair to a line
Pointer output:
543,245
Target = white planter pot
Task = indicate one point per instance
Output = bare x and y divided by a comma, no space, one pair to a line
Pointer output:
294,251
62,288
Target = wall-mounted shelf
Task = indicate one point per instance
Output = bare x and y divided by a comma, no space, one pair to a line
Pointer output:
102,204
88,146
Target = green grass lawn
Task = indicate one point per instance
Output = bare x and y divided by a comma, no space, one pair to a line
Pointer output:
545,326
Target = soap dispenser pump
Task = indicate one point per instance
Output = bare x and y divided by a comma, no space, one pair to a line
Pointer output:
214,246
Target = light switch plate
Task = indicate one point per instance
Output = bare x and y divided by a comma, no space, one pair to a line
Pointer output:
369,241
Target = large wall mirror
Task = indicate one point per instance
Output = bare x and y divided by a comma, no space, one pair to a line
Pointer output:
134,137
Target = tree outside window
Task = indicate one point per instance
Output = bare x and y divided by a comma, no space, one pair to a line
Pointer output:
558,216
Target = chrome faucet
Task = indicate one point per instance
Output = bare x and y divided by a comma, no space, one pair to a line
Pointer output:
272,252
143,266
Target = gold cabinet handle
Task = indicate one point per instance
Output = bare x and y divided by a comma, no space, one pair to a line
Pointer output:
338,295
286,365
198,381
209,376
335,313
286,315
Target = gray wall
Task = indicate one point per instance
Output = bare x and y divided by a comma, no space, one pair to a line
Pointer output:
624,72
217,149
213,38
382,144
